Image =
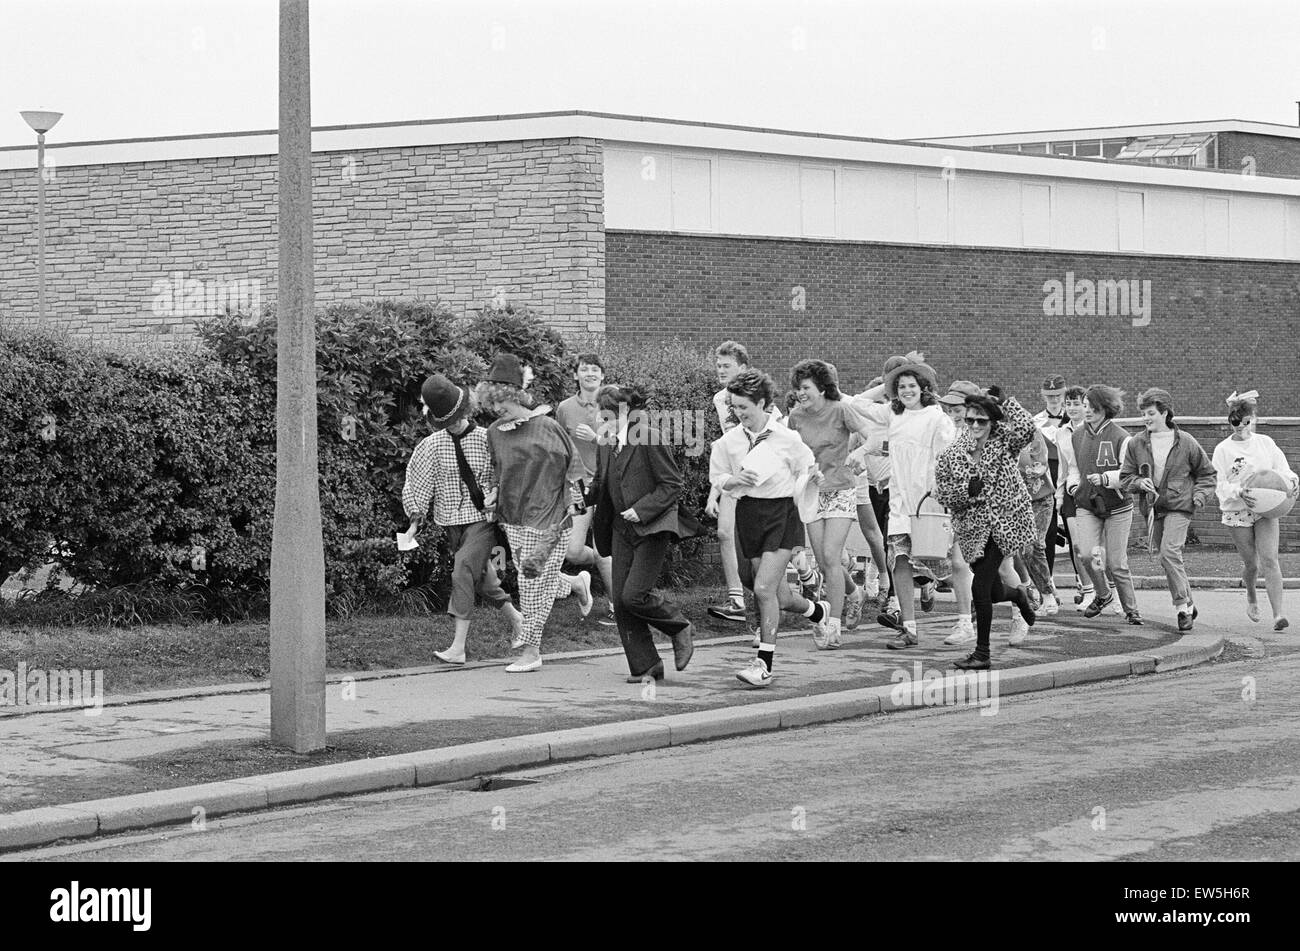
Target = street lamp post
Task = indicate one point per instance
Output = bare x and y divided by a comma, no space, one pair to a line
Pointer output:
41,122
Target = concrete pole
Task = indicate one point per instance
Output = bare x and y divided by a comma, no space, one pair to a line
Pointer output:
40,226
297,552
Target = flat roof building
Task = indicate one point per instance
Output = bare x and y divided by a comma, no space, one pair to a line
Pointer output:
999,265
1228,145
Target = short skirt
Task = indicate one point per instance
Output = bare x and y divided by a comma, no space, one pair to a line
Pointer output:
764,525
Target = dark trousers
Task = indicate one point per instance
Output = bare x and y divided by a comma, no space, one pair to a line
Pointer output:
471,568
987,590
1056,527
637,561
880,505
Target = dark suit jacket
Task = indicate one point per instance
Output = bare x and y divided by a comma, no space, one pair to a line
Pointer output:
650,482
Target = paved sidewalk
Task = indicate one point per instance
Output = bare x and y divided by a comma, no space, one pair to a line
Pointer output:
54,756
411,727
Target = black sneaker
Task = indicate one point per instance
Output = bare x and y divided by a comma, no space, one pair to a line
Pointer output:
1098,605
731,611
1135,618
890,619
1184,622
973,661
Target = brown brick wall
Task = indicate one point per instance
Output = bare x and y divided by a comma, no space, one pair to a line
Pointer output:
977,313
453,221
1273,154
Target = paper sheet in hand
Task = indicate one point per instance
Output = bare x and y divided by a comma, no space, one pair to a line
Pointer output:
406,540
763,461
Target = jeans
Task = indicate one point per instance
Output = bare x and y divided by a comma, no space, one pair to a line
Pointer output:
1036,556
638,559
1111,533
1168,535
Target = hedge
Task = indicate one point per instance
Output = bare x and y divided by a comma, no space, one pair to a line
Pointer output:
156,471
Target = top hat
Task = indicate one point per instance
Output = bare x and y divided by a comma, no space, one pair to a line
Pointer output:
912,364
1054,385
958,391
506,368
446,402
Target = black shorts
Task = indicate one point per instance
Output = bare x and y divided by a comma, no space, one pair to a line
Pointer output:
764,525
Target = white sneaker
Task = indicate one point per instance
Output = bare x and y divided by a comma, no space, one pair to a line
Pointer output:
1088,594
757,640
1019,630
963,632
756,674
872,583
853,609
1049,607
833,626
822,633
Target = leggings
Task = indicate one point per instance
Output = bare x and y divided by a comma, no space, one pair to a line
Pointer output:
987,590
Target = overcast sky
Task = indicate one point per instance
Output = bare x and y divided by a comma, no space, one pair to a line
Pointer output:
125,68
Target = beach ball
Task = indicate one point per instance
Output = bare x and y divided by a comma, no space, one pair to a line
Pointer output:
1271,493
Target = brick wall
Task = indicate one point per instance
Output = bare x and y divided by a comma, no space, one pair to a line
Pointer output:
454,221
1215,326
1273,154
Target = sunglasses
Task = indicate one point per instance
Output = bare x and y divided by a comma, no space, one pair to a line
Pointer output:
976,421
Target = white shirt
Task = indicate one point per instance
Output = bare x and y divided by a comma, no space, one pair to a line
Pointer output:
1161,444
728,459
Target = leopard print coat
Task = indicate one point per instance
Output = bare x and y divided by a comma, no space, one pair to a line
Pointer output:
1002,511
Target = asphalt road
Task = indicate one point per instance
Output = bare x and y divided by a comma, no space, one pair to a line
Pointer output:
1192,765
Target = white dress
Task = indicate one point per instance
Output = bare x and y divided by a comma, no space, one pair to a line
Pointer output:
916,438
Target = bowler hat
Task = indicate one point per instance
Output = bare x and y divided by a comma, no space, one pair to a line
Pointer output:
959,391
447,403
506,368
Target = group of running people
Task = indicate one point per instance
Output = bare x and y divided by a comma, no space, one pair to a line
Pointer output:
787,487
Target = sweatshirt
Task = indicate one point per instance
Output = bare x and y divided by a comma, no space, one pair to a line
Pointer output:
1236,460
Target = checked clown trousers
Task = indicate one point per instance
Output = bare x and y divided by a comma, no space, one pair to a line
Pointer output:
537,595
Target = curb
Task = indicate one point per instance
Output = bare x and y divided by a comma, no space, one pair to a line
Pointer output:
1159,583
194,804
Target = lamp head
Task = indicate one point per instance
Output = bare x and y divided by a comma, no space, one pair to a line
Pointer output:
40,120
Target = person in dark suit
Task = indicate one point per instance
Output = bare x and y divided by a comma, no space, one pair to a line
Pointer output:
635,491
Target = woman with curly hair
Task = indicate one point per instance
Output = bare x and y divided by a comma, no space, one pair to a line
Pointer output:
1236,459
534,464
978,479
919,431
1103,511
825,421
